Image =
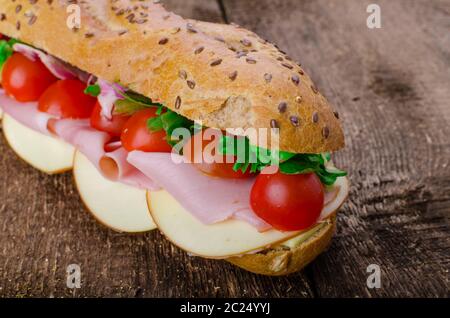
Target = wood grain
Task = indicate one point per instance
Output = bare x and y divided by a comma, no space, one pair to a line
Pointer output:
392,89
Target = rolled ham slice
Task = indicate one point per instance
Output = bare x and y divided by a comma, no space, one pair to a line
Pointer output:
25,113
92,143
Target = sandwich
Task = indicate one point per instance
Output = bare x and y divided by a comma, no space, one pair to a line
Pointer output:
207,132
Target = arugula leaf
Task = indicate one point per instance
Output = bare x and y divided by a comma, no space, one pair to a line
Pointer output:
6,51
307,163
93,90
168,121
250,157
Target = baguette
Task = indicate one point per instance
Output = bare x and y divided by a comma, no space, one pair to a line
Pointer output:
241,81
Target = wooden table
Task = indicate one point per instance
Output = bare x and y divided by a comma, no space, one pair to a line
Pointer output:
392,88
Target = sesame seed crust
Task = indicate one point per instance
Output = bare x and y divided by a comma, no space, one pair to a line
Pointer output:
157,62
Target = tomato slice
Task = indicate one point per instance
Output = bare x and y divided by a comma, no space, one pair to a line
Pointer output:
202,151
66,99
113,126
288,202
137,136
24,79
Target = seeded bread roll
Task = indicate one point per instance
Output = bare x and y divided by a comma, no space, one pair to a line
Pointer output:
284,260
238,81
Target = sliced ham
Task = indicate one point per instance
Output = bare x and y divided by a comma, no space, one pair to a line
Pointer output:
209,199
25,113
115,166
92,143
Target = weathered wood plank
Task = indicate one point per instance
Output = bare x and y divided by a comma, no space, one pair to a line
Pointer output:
392,88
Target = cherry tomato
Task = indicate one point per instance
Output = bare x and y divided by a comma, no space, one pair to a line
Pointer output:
288,202
24,79
66,99
137,136
201,151
113,126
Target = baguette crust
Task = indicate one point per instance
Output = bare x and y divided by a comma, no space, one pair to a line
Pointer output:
279,261
223,76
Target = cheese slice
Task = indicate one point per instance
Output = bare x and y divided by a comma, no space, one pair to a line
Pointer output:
118,206
45,153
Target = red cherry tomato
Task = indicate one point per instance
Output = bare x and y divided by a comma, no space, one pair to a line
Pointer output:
66,99
201,146
137,136
288,202
24,79
113,126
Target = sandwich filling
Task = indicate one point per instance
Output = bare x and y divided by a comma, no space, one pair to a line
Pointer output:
132,139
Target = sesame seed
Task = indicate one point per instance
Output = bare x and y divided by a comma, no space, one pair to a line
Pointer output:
282,107
287,66
163,41
130,17
216,62
246,42
199,50
325,132
2,17
33,1
296,79
18,25
251,60
178,102
233,75
294,121
274,123
268,77
280,59
220,39
182,74
301,72
120,12
298,99
89,35
191,84
122,32
175,30
315,117
141,21
336,114
32,20
191,28
18,8
241,54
